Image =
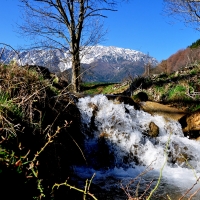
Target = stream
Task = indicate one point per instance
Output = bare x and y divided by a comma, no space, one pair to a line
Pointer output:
118,149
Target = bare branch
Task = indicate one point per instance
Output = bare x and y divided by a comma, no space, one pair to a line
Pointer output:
187,11
17,53
67,24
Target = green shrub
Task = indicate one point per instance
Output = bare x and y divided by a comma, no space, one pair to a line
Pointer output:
35,135
177,93
160,89
194,72
7,105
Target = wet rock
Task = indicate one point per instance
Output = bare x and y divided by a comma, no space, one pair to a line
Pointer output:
182,158
94,113
198,139
159,109
191,124
125,99
153,130
180,155
104,135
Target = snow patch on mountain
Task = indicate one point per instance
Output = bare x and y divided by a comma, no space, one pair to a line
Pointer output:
116,54
59,60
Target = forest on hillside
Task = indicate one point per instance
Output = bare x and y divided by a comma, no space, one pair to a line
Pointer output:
182,58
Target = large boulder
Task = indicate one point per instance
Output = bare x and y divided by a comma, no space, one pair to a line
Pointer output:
153,130
191,124
163,110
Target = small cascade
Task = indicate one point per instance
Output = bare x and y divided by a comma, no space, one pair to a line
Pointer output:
118,143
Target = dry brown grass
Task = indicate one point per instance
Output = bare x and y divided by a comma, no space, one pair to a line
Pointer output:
31,112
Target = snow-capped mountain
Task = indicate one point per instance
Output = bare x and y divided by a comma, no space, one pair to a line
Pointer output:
115,55
105,63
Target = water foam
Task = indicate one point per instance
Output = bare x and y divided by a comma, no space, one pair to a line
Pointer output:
124,131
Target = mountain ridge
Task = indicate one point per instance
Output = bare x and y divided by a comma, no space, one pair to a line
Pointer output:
113,59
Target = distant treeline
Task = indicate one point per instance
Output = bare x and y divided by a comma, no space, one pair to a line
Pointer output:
182,58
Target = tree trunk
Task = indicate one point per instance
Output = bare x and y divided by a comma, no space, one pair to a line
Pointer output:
76,72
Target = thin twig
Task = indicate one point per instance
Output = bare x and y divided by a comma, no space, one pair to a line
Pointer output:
161,170
126,190
189,189
194,194
2,52
85,191
13,50
147,188
79,148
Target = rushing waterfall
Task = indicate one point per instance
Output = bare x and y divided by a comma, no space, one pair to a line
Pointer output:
117,145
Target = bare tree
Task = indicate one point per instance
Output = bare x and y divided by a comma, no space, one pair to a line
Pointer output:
184,10
69,25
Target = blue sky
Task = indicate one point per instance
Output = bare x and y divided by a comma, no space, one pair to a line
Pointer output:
138,25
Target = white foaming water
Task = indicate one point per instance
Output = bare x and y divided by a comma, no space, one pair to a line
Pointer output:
119,134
